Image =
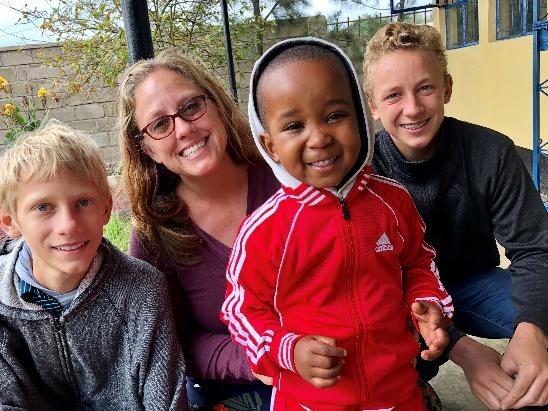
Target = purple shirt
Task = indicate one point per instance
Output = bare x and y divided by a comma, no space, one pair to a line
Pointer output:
210,353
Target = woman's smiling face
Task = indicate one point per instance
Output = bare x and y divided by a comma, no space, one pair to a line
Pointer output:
195,148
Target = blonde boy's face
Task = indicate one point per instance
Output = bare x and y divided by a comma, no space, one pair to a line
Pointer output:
409,93
312,130
62,221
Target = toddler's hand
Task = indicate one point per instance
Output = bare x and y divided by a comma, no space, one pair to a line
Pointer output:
318,360
263,378
432,328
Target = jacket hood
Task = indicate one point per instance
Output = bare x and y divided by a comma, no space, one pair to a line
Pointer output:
362,112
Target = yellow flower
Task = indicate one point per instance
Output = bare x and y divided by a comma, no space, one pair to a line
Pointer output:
3,83
8,109
43,92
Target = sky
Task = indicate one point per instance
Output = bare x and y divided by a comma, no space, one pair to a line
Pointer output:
14,32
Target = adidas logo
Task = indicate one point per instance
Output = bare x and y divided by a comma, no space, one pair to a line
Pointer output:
383,244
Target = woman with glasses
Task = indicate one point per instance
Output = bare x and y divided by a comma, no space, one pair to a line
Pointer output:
192,174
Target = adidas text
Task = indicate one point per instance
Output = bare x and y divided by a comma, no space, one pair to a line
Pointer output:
384,247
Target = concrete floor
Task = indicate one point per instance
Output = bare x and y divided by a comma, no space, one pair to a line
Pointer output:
451,385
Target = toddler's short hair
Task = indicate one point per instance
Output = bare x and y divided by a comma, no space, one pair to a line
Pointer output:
401,36
43,154
298,53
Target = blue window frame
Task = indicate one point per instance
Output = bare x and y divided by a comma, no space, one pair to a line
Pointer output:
461,23
515,17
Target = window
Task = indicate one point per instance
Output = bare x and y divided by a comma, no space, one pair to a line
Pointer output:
515,17
461,23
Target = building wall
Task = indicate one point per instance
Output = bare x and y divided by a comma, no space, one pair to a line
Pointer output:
492,83
93,113
493,79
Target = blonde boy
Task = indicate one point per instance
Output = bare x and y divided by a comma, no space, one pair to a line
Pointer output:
81,324
470,188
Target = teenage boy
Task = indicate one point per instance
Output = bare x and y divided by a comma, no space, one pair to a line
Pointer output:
82,325
471,189
323,276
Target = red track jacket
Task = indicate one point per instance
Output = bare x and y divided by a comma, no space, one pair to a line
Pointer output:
298,267
345,265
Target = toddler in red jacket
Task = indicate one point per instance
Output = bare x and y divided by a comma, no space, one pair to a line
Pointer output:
324,276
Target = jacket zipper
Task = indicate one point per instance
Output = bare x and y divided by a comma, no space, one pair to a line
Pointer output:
345,210
58,326
364,396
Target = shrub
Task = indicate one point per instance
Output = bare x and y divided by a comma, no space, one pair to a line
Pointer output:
117,230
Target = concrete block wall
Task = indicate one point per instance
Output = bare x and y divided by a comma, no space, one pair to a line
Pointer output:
276,31
93,113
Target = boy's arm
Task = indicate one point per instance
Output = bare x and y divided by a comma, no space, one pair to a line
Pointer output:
158,359
18,390
12,395
521,226
249,306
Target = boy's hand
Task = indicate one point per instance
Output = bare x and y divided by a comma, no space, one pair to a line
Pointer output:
432,328
526,360
481,366
318,360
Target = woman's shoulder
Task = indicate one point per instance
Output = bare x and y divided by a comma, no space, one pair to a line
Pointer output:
262,170
262,183
142,249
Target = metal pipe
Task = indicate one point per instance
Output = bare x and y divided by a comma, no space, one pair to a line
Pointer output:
137,28
229,58
536,94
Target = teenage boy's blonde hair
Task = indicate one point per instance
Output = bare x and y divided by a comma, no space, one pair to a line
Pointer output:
44,154
401,36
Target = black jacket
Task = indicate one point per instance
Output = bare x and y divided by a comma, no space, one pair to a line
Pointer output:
476,190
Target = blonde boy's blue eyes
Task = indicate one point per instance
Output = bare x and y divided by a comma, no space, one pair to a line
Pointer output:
41,207
427,88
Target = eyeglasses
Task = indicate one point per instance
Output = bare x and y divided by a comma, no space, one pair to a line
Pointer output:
191,110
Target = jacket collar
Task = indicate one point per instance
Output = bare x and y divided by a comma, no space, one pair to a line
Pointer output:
311,196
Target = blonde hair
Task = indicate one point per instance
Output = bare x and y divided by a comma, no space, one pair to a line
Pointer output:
401,36
158,214
44,154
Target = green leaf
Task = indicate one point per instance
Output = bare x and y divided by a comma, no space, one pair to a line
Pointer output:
10,136
19,118
33,125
